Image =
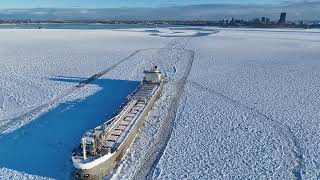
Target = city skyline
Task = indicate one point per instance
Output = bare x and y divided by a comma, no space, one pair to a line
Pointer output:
302,10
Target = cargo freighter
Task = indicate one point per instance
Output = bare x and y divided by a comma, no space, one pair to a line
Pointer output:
102,148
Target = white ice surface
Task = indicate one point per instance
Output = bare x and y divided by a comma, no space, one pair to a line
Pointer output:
249,110
38,65
30,59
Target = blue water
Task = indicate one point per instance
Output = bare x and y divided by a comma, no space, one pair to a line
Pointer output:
79,26
44,146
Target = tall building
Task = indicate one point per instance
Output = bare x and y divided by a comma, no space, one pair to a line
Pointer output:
263,20
267,20
225,22
232,21
282,19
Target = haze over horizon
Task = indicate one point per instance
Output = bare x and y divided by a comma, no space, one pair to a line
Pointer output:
159,10
9,4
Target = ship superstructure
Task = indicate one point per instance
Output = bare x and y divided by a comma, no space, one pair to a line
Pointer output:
102,147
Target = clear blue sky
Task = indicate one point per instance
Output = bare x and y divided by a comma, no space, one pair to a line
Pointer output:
4,4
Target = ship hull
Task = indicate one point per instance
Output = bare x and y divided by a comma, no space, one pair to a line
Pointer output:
105,168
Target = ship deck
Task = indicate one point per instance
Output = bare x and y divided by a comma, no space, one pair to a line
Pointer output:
114,132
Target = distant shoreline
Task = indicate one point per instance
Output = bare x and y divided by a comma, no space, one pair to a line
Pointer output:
99,24
95,26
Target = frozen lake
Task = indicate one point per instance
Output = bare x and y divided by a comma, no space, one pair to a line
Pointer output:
248,107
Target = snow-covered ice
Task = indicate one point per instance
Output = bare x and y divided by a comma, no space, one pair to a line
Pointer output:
249,109
30,59
38,66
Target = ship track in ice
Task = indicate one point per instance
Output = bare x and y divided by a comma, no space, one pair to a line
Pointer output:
13,121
